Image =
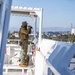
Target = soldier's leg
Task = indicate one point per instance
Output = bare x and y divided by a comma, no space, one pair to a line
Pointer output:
24,52
20,51
26,56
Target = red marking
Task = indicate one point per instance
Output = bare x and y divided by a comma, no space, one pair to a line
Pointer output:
38,49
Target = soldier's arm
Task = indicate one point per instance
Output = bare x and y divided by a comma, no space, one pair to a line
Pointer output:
29,29
24,31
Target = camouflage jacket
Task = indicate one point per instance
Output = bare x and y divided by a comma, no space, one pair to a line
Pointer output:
23,34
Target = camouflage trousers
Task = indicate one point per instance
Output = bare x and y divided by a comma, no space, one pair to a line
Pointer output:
24,59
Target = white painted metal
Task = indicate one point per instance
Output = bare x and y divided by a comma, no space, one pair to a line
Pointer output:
52,69
40,15
17,67
14,73
39,63
40,26
57,54
45,46
35,20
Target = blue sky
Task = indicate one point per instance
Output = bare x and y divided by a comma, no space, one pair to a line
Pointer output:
56,13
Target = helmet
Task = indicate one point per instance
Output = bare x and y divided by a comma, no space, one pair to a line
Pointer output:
24,24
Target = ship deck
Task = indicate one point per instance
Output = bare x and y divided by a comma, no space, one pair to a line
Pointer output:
17,70
14,73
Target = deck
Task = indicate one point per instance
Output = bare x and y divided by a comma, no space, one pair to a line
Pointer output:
14,73
17,70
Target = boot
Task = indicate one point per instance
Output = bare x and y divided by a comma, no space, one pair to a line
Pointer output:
23,65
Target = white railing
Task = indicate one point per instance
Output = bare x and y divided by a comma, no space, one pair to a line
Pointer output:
57,53
50,69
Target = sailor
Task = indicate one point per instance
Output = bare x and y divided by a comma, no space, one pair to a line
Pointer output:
23,35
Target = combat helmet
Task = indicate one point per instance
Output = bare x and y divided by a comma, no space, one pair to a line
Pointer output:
24,24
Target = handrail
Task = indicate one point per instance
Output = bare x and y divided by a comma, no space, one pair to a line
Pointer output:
52,68
54,71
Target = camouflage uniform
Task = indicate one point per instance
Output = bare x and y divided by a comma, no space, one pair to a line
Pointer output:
23,34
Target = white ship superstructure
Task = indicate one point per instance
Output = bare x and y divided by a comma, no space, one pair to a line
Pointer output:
73,31
51,58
